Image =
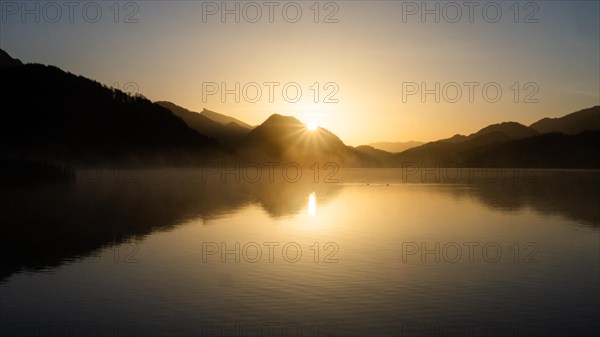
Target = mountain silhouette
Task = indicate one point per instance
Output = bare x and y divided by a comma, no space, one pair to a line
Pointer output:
7,61
574,123
61,116
555,150
70,221
449,150
395,146
457,138
229,134
511,144
509,130
225,120
78,121
286,138
503,144
493,132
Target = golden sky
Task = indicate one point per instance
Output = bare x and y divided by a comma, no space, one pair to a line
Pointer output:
362,67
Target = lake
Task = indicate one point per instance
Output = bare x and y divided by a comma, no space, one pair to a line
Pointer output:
355,252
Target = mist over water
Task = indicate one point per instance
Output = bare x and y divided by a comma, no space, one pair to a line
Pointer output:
309,168
370,253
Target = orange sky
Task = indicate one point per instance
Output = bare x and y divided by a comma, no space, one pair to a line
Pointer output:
372,62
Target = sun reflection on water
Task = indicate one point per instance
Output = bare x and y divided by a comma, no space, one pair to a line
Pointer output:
312,204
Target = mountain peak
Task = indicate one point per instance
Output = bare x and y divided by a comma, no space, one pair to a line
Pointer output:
277,119
229,135
395,146
223,119
7,61
573,123
457,138
286,138
512,130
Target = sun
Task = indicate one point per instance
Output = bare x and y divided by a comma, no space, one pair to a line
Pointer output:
312,126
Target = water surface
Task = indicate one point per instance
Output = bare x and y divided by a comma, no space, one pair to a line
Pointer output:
377,253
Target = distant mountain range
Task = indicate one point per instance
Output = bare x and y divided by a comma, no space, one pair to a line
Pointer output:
396,147
227,130
53,115
571,124
559,142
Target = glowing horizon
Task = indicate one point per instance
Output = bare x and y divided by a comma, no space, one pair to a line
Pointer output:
367,78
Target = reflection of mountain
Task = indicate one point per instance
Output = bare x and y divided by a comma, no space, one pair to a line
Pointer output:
45,226
287,199
570,194
229,131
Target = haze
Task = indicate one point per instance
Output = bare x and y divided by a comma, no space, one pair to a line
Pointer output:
370,56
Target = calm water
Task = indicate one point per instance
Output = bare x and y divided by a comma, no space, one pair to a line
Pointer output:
377,253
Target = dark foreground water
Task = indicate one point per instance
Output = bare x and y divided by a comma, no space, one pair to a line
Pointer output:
365,253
